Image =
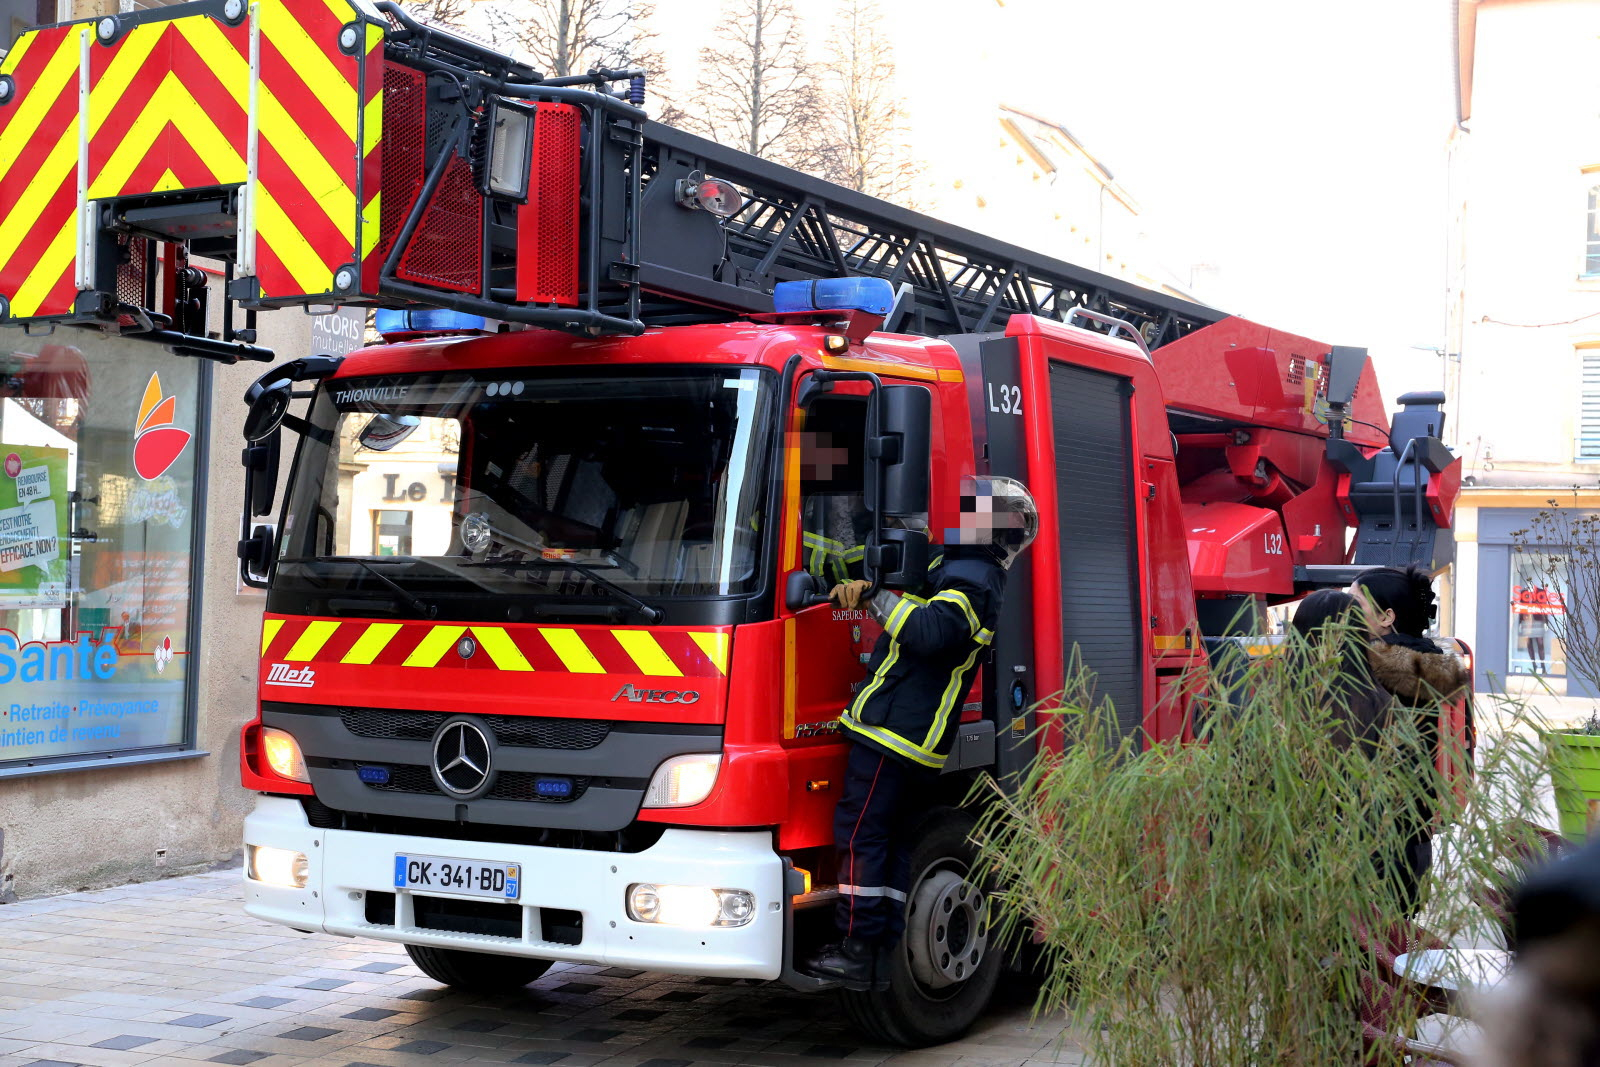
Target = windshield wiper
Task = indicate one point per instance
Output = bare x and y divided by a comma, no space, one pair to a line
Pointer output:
410,599
651,614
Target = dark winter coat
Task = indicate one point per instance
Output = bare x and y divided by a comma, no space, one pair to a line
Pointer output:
1421,677
922,665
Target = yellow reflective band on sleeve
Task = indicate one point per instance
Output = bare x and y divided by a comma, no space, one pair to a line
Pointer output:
877,681
571,651
311,641
936,561
947,700
715,646
959,599
897,617
985,637
370,643
856,554
504,651
269,630
642,647
431,649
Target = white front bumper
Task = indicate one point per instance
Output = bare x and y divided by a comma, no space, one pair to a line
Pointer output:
346,865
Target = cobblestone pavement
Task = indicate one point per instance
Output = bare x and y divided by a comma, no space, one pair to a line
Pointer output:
175,972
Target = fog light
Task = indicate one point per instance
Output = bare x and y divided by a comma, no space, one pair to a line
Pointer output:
283,754
278,866
689,905
683,780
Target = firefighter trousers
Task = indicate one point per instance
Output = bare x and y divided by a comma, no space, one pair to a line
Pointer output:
880,803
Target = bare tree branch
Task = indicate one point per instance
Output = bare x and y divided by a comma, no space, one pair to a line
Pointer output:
756,91
560,38
450,14
864,140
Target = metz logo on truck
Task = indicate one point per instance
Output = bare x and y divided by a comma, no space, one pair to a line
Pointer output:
656,696
283,674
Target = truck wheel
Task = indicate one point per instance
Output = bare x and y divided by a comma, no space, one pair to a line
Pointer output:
476,972
944,970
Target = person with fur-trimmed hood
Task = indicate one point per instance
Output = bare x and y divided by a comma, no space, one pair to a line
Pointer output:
1399,605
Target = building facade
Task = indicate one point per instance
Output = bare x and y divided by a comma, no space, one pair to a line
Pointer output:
1523,335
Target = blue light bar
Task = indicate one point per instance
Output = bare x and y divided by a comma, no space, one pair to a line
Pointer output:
373,775
390,321
872,295
552,788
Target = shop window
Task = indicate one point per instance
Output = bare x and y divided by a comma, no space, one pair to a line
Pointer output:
391,533
1538,602
98,521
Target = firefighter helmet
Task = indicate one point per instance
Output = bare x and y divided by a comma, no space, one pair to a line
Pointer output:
997,512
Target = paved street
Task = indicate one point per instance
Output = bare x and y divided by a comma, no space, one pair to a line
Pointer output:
175,972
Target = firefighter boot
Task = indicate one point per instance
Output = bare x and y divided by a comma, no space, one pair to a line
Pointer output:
853,963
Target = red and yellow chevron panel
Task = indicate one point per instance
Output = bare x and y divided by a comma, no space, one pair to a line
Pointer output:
39,159
271,106
651,653
617,672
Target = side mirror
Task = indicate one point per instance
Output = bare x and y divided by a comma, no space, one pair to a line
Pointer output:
898,450
261,473
269,403
383,432
803,590
255,556
900,557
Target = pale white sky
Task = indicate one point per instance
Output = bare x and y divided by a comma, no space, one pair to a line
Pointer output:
1299,146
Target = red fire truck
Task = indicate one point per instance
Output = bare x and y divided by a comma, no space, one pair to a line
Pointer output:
574,696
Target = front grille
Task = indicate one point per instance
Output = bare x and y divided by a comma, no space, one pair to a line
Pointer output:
515,731
508,785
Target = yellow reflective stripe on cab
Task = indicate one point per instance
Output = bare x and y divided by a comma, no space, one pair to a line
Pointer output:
311,641
571,651
504,651
372,641
714,645
431,649
646,653
269,630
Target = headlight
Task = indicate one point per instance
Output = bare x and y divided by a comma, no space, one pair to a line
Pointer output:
689,905
283,755
278,866
683,780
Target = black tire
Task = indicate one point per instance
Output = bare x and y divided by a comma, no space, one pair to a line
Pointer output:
476,972
910,1013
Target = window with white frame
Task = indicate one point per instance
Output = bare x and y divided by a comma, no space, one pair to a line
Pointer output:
1588,442
1591,243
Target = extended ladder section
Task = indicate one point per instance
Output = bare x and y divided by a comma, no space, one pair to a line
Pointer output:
332,152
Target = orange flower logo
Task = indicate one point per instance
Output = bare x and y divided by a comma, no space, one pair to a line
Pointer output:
157,443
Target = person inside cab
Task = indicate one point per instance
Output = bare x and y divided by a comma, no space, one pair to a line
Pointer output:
833,516
903,719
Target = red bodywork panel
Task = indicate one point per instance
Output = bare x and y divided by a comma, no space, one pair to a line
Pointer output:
1238,371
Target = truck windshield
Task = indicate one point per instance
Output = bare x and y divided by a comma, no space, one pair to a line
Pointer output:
493,495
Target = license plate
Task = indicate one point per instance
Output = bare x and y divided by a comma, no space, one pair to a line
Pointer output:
473,878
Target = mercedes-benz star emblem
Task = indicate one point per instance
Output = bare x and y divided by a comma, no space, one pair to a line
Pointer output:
462,757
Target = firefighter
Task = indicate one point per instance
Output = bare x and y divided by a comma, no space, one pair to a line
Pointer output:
902,721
